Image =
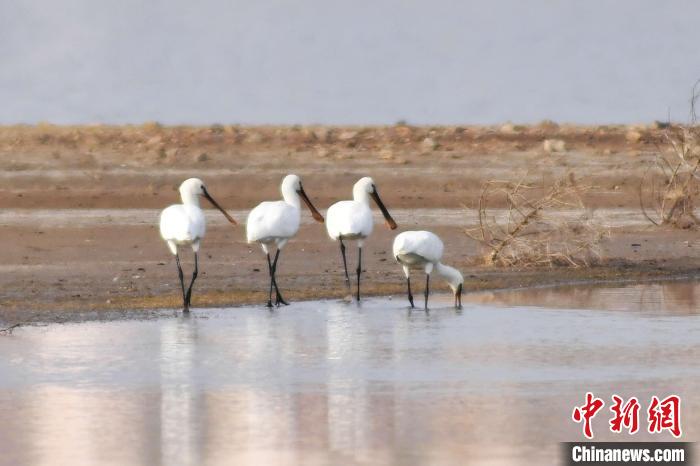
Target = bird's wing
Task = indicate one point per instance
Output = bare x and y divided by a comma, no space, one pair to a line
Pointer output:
422,243
349,218
398,246
197,223
272,220
174,224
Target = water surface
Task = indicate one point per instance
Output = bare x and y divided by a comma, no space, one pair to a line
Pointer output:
328,382
367,62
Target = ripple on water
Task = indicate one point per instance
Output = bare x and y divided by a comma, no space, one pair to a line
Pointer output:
332,382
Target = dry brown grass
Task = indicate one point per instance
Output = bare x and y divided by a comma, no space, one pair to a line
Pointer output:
533,230
669,189
477,139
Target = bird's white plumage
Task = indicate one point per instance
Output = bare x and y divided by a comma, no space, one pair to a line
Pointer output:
275,222
272,224
349,220
271,221
414,248
184,224
352,219
424,250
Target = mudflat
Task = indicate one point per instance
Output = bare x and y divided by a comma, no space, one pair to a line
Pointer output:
79,208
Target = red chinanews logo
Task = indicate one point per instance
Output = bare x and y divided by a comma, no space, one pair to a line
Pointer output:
662,415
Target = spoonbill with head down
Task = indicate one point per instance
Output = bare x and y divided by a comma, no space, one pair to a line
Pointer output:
423,250
352,221
272,224
184,225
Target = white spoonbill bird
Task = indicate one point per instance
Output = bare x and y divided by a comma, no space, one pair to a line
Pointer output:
184,225
423,250
272,224
352,221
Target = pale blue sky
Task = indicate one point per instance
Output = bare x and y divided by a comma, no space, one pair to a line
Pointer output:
363,62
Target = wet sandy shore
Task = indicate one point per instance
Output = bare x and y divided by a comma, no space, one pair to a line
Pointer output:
79,208
62,266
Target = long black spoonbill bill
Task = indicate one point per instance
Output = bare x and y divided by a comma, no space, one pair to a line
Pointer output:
272,224
184,225
422,250
352,221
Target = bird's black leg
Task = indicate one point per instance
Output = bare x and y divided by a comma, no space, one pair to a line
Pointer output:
278,299
269,268
188,297
359,271
185,307
410,295
427,289
345,265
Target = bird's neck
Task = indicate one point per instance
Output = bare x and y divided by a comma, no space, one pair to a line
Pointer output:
290,196
449,274
359,194
190,199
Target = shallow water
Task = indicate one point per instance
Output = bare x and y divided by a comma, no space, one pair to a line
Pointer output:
328,382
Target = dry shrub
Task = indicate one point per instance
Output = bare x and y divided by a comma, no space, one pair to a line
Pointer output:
543,224
670,186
